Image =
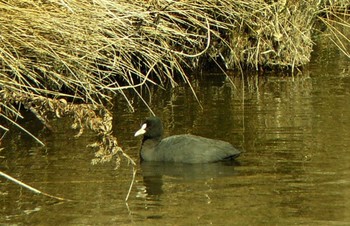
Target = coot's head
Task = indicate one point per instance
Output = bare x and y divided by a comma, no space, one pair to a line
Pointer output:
152,128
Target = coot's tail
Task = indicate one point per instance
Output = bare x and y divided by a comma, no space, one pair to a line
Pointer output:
234,155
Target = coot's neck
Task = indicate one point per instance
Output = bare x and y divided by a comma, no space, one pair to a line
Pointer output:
154,139
148,148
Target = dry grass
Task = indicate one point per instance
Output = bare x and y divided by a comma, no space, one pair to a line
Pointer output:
87,51
88,47
336,18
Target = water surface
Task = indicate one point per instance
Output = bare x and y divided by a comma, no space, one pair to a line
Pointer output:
295,169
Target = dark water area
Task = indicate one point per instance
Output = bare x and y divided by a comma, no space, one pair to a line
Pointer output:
295,169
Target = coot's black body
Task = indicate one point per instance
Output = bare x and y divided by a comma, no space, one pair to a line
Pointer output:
181,148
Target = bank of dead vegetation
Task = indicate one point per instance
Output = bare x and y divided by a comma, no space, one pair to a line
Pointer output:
71,57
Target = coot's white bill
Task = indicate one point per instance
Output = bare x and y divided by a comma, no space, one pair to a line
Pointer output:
141,131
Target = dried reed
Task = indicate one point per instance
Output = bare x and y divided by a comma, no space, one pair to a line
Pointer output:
86,51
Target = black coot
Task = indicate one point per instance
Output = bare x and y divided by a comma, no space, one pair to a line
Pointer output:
181,148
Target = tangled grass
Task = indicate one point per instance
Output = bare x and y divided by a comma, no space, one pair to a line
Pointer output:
84,52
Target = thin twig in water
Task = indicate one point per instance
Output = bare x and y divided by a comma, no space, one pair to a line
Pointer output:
23,129
134,170
31,188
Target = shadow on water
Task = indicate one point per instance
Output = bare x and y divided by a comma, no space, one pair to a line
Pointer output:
154,172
